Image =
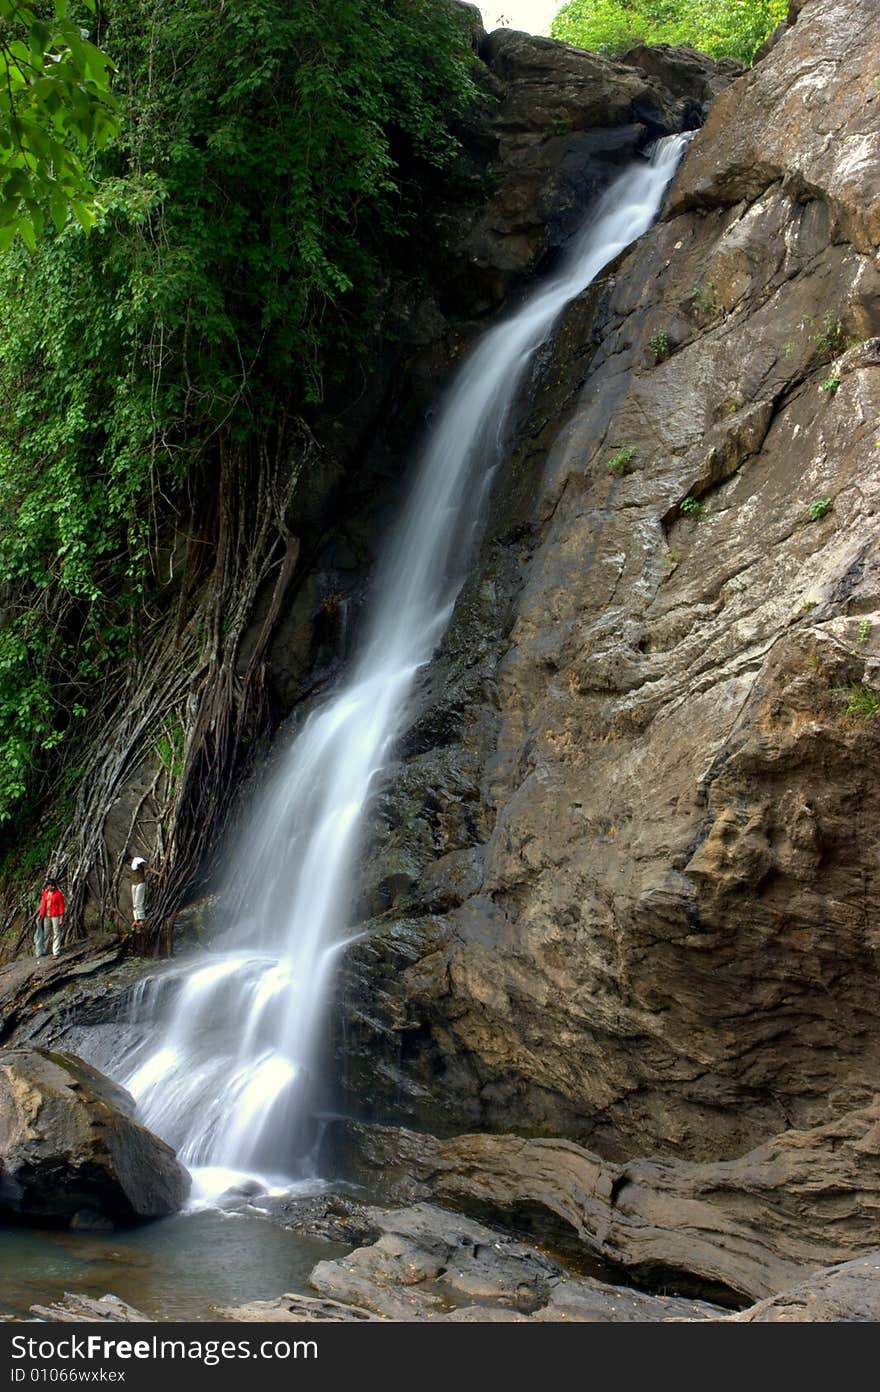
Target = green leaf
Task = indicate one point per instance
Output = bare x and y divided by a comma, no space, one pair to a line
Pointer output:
59,209
84,215
26,231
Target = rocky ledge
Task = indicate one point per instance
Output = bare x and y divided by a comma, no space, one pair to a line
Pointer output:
747,1228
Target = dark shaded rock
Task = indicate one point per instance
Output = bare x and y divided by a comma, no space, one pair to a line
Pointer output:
82,1004
683,70
86,1220
35,989
331,1217
562,124
69,1145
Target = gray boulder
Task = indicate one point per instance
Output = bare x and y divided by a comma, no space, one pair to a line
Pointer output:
849,1292
70,1149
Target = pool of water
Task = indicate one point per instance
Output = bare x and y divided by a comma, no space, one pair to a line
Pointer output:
177,1268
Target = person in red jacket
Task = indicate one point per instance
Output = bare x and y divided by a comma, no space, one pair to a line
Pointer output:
55,913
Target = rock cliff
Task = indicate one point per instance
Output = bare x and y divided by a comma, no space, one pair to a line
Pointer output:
623,877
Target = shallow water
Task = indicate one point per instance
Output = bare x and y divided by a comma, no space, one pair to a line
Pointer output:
176,1268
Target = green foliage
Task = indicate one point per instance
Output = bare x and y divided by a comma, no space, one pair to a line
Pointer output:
693,509
706,298
818,508
722,28
830,339
278,135
619,463
659,345
863,700
55,106
169,750
831,383
557,128
269,155
864,631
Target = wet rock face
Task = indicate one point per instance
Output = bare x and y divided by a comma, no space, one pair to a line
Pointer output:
622,880
71,1151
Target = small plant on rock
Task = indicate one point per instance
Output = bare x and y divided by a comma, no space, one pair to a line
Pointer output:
706,298
692,508
864,631
659,345
619,463
831,339
557,128
863,700
818,508
831,383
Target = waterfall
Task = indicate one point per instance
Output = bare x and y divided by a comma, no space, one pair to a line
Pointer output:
225,1074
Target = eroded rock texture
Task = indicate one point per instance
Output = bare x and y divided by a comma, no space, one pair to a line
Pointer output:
749,1226
623,877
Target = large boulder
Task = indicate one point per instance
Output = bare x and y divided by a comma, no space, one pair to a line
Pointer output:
70,1149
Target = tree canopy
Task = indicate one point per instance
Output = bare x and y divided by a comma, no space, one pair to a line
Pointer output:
56,108
267,160
721,28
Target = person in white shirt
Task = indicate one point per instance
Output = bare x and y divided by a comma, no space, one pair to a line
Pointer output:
139,871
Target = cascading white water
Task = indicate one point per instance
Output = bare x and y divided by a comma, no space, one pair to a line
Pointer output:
230,1075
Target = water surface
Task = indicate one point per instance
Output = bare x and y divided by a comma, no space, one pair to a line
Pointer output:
176,1268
